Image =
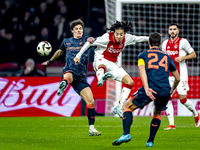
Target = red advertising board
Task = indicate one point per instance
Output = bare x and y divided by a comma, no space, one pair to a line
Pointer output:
36,96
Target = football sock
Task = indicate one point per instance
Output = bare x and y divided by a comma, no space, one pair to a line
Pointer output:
66,80
125,93
91,114
155,124
170,112
127,120
91,126
189,105
100,72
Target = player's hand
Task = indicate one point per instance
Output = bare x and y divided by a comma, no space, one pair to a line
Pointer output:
76,60
171,93
178,59
150,93
46,63
90,40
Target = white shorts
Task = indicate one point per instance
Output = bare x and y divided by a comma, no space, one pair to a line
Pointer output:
117,72
183,86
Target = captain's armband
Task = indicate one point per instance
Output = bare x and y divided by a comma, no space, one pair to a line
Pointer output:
141,62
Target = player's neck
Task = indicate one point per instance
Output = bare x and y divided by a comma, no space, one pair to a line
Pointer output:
173,38
151,47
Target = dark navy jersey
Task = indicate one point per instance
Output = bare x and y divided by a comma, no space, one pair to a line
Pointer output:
72,46
157,65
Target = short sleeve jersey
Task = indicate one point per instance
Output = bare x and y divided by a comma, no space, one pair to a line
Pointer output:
72,46
157,65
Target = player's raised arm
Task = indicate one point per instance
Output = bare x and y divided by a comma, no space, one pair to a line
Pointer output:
83,49
141,38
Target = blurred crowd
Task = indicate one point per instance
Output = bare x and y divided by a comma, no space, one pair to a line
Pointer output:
24,23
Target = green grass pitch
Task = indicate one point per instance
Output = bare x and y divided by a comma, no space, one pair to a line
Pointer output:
71,133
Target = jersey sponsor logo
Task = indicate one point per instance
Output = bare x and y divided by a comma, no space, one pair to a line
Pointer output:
67,43
172,52
114,50
80,43
74,48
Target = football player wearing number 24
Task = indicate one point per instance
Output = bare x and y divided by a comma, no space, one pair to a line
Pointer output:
154,66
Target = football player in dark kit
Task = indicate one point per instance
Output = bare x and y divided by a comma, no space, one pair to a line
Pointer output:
76,74
154,66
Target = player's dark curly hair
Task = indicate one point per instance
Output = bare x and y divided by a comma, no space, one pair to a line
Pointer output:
75,23
126,26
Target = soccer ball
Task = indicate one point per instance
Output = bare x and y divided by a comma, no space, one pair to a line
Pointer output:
44,48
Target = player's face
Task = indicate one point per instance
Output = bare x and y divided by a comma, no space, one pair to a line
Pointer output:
119,35
173,31
77,31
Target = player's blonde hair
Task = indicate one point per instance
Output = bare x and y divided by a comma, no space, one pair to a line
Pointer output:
75,23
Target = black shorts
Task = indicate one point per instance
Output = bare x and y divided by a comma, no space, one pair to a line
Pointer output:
140,99
79,81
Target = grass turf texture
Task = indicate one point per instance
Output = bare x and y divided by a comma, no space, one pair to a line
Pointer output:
71,133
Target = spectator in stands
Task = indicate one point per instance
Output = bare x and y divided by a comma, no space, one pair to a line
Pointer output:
30,69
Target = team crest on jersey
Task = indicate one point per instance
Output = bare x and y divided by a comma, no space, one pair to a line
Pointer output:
176,46
80,43
67,43
168,47
121,45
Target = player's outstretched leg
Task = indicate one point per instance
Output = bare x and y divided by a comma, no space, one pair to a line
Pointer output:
61,87
127,120
103,79
124,138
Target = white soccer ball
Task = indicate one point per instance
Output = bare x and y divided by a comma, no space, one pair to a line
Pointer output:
44,48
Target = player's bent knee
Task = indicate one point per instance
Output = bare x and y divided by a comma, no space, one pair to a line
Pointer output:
89,101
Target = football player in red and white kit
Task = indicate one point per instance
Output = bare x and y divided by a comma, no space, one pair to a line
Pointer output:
109,46
180,50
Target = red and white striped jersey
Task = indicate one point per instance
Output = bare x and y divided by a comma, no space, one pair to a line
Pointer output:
109,48
178,48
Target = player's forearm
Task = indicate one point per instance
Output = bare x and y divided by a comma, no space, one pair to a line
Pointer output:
190,56
142,38
176,81
83,49
56,55
143,76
